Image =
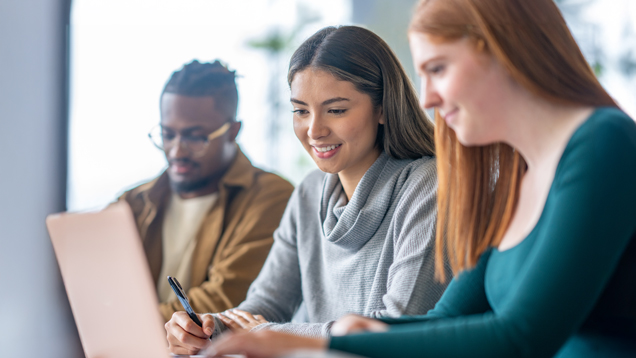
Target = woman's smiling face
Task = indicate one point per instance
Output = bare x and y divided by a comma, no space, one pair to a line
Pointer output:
336,123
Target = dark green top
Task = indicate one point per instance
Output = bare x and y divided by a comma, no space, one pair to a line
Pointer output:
568,289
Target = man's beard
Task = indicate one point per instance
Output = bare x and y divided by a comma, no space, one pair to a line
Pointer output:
191,186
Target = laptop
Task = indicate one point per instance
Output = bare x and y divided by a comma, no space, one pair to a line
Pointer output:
108,283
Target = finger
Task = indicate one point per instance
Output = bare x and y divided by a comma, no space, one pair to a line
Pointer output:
207,320
260,318
347,324
248,316
229,323
377,326
177,347
182,321
238,319
183,339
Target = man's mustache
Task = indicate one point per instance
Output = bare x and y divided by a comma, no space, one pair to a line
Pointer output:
183,162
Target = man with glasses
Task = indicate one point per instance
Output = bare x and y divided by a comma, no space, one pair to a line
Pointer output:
208,219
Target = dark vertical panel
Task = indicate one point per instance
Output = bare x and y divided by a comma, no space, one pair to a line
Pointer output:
34,311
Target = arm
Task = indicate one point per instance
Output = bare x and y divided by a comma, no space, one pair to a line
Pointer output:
277,292
590,222
230,277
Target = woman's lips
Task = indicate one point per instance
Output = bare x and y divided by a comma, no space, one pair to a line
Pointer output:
448,117
328,153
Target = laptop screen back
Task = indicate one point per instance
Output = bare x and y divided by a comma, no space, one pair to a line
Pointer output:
108,283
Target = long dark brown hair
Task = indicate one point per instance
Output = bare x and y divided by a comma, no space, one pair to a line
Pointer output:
479,186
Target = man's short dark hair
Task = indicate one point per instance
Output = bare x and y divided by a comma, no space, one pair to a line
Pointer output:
214,79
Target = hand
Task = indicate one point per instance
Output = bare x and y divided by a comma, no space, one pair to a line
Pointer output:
352,323
185,336
262,344
240,321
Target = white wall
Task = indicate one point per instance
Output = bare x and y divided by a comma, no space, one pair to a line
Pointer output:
35,319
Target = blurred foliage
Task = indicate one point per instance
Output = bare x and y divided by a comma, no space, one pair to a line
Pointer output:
598,69
277,43
274,42
278,40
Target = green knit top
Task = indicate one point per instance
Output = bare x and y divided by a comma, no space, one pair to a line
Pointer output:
567,290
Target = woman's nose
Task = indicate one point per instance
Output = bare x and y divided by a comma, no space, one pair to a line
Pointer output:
429,97
317,128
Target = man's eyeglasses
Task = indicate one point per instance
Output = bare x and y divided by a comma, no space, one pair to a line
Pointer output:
166,140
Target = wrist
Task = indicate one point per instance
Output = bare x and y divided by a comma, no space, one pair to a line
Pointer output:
318,343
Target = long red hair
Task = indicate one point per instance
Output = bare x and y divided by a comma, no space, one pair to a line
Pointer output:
479,186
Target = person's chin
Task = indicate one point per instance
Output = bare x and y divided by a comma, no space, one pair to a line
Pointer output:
469,139
179,178
181,185
328,168
466,141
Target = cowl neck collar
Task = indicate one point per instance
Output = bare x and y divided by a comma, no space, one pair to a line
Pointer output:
352,224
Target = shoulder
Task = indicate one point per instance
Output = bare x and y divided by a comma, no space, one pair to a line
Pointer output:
606,138
601,150
138,189
416,198
422,168
419,176
311,183
272,182
307,192
606,124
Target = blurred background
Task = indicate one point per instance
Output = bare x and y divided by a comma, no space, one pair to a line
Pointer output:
80,83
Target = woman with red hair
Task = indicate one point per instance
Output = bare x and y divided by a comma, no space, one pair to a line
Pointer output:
536,196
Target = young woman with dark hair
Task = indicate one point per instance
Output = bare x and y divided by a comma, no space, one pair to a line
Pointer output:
358,234
536,200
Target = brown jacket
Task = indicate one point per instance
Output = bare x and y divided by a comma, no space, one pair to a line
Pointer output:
234,238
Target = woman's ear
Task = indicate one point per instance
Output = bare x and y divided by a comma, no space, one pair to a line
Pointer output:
380,113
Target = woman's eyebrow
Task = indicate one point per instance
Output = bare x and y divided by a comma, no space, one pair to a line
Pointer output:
335,99
329,101
432,59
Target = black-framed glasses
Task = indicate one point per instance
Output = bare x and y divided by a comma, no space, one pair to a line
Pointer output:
166,140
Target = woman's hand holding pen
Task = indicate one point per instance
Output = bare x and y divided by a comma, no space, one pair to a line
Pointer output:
185,336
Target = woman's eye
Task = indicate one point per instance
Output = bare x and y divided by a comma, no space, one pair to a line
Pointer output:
337,111
436,69
299,111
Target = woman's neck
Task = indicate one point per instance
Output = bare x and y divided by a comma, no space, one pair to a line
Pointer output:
350,177
540,130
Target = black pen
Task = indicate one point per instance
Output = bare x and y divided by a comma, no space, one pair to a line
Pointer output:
183,298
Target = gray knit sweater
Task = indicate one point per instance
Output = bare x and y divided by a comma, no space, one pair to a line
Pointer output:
373,255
